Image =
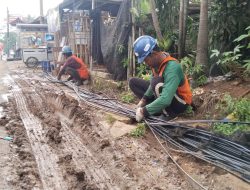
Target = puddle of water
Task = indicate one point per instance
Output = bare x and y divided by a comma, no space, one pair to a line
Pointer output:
4,98
6,80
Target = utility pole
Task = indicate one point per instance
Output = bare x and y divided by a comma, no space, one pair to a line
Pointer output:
8,32
41,12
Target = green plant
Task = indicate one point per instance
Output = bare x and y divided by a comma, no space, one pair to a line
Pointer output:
120,48
229,129
245,38
168,13
227,60
146,77
127,97
201,80
196,71
242,110
189,66
228,22
226,105
125,62
239,110
142,69
247,66
189,111
167,42
9,41
238,58
139,130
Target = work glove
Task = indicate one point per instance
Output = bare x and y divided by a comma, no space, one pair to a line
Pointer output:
139,114
142,103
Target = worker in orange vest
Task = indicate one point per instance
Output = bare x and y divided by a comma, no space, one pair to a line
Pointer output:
168,92
74,67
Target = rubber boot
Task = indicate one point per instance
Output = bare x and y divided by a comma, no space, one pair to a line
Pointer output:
79,83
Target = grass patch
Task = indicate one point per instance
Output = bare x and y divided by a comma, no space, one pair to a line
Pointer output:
139,131
127,97
189,112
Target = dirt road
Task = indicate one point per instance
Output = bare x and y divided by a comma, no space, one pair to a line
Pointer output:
60,143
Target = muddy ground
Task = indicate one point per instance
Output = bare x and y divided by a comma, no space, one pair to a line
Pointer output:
61,143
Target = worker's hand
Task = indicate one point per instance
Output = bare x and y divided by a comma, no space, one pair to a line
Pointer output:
139,114
142,103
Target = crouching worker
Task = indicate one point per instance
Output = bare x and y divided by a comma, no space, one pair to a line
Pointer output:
168,93
74,67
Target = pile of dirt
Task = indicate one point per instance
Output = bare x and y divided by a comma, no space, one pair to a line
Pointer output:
206,97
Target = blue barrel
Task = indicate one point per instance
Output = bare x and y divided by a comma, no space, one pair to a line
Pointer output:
46,66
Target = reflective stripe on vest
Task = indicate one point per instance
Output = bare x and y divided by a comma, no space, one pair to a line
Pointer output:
184,90
83,70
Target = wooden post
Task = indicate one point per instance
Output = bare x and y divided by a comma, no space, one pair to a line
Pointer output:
181,20
129,58
133,37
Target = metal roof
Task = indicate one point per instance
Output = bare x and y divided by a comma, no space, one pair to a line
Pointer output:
105,5
22,26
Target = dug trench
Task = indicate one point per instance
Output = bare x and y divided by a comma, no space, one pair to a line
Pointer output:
73,151
61,143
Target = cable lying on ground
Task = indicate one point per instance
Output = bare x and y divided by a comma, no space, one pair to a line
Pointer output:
202,144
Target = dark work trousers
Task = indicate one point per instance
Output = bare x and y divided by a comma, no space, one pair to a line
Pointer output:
139,87
73,73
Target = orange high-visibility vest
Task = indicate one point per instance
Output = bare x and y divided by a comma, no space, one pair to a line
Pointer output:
83,71
184,90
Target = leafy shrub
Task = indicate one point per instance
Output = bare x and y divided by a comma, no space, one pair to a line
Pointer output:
141,70
196,71
201,80
238,58
226,105
227,60
125,62
229,129
240,110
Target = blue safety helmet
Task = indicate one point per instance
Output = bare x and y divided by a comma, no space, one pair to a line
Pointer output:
143,46
66,50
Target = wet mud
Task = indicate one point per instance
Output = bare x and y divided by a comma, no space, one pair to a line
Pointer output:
59,143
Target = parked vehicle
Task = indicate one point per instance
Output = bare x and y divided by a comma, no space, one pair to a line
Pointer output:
32,44
33,56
